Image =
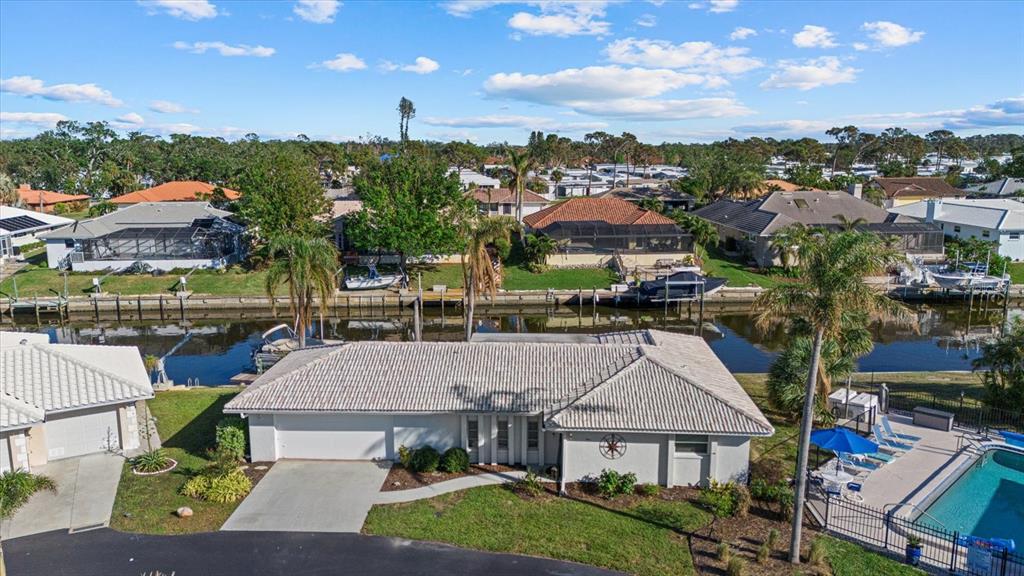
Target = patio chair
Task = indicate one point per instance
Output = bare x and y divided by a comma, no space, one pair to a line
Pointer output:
886,443
861,466
887,427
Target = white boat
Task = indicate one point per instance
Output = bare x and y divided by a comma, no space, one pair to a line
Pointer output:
278,342
372,281
952,280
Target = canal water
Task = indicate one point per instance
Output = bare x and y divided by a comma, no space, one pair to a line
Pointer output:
944,337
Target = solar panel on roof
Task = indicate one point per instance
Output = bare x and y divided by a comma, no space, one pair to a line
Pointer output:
20,223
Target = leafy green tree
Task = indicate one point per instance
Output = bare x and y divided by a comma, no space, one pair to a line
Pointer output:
486,238
282,196
308,267
537,248
1003,361
411,207
807,176
830,286
406,112
653,204
101,208
8,191
939,141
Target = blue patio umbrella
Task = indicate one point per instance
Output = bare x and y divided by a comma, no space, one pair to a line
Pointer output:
843,440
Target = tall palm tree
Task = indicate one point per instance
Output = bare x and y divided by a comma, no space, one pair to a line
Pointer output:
307,266
790,241
830,286
519,164
848,224
479,272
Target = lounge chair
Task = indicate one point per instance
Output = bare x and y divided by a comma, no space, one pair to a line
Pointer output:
848,461
887,426
879,456
886,443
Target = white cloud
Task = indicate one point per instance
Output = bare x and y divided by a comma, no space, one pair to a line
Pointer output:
694,56
317,11
860,46
463,72
563,19
184,9
225,49
716,6
29,86
465,8
342,62
512,121
647,21
742,33
891,35
814,37
785,127
167,107
808,74
673,109
38,119
131,118
422,65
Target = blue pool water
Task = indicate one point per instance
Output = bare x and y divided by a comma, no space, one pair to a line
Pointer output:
987,501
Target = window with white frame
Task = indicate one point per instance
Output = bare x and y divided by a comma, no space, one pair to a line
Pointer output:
691,444
502,434
532,434
984,233
472,432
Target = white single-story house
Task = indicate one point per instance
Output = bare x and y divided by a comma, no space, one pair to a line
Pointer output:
163,235
66,400
471,179
19,227
658,404
992,220
502,201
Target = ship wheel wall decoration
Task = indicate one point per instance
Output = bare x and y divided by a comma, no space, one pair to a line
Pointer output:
613,446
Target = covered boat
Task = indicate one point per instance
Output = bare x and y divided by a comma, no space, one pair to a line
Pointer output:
683,285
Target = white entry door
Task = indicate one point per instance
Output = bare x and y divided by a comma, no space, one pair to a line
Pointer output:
85,433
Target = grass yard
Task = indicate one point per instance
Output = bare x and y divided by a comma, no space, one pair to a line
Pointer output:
518,278
1016,271
644,539
185,420
38,281
848,559
738,274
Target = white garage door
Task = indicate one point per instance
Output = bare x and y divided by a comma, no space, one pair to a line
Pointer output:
79,434
5,455
333,437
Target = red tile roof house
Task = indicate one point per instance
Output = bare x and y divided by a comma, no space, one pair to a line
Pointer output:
175,191
502,202
594,231
45,200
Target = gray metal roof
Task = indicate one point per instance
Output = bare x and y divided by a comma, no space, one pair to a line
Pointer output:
141,215
645,380
38,379
780,209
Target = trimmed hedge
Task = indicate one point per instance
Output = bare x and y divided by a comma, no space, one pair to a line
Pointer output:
425,459
455,460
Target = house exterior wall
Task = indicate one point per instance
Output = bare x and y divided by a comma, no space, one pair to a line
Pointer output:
262,438
580,260
644,455
165,265
442,431
55,252
1011,242
13,451
730,458
128,427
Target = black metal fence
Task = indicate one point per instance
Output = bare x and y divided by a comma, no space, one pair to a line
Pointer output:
967,412
940,548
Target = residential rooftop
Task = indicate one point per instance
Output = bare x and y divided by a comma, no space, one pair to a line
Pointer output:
583,209
175,191
142,215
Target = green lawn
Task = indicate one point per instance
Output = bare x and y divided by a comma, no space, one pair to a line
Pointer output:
518,278
848,559
185,420
38,281
738,274
644,539
1016,272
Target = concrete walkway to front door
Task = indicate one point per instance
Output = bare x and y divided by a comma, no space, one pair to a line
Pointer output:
86,487
311,496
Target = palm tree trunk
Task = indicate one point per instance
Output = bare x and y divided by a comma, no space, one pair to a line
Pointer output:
805,447
470,305
300,322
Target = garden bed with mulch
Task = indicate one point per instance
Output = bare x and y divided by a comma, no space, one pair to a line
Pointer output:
401,479
255,471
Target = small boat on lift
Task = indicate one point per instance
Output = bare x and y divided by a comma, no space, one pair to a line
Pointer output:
680,286
278,342
372,281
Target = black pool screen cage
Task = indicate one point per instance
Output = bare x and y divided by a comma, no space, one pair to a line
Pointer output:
597,236
908,237
200,241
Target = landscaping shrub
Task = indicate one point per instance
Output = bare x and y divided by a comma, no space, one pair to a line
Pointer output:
611,483
724,552
648,489
196,487
778,493
152,461
722,500
764,552
742,497
230,436
455,460
405,456
773,538
818,555
425,459
529,485
229,487
736,567
17,486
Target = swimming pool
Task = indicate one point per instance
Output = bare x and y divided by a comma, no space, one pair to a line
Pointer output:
986,501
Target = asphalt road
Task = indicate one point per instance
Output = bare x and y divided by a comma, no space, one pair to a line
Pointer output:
109,553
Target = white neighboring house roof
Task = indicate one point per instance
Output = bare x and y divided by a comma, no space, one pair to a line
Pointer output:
1003,187
645,381
20,221
141,215
471,178
39,379
994,214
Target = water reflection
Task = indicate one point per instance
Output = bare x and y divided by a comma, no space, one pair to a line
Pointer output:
940,338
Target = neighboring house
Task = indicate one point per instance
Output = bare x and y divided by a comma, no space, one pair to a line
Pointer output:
657,404
341,210
992,220
19,227
900,191
176,191
1005,188
592,231
65,400
502,202
748,226
165,236
670,198
772,185
47,201
471,179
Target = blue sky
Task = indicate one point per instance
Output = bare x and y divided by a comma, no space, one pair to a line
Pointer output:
490,71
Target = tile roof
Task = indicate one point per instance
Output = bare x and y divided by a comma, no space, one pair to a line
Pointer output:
610,210
644,380
916,186
47,198
38,379
505,196
175,191
142,215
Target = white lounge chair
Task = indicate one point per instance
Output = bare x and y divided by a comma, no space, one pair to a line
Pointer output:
887,427
887,444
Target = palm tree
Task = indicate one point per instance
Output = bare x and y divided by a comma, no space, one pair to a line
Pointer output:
480,274
830,285
790,241
308,266
847,224
520,164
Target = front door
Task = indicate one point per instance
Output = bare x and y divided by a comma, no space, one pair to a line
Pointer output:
503,433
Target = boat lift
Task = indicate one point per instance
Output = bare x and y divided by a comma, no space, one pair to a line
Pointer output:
161,374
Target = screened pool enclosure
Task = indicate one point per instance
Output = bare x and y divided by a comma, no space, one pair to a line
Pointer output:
205,239
597,236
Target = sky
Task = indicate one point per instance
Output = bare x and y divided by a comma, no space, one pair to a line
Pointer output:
491,71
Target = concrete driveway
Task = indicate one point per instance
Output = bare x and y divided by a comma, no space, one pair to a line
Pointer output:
311,496
86,487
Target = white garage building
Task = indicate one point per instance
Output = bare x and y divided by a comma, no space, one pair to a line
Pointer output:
658,404
65,400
